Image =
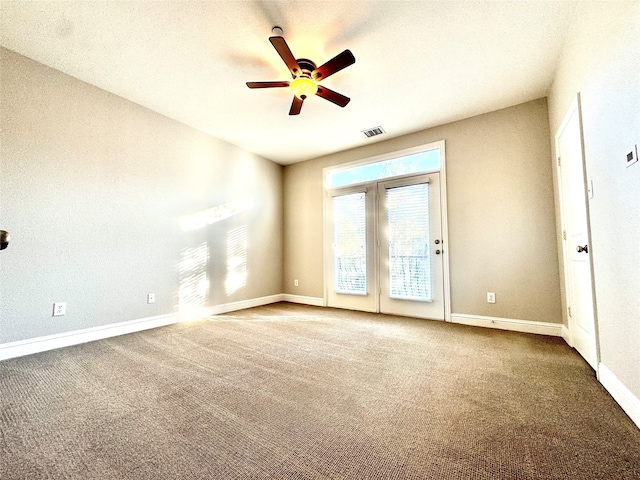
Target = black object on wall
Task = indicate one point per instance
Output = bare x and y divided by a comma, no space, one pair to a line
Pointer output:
4,239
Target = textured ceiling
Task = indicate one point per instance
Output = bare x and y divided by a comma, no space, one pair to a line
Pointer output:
418,63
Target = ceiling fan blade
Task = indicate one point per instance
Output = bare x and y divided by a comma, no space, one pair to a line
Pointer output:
332,96
280,44
267,84
296,106
337,63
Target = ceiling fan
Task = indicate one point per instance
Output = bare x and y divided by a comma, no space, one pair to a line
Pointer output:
306,75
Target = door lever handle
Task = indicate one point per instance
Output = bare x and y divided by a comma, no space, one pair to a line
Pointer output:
4,239
581,249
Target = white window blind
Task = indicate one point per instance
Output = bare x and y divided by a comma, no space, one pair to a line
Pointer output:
350,243
409,261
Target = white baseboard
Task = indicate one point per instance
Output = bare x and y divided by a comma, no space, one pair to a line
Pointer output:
620,393
242,304
526,326
315,301
51,342
566,335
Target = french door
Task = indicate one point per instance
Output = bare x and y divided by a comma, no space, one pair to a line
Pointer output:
387,248
410,252
353,263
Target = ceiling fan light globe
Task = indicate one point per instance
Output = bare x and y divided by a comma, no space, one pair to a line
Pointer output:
303,87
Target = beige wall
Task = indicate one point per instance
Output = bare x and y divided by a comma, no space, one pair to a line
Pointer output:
601,60
500,208
93,189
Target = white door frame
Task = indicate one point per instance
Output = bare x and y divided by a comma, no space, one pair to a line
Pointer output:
575,109
446,288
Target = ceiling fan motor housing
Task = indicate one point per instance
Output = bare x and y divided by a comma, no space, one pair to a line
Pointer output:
307,66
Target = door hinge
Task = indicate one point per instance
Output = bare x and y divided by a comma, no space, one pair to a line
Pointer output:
564,234
569,309
558,161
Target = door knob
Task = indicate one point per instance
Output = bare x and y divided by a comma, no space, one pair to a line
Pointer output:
4,239
437,252
437,242
584,249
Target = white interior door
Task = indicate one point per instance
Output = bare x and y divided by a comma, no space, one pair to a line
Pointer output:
410,247
577,264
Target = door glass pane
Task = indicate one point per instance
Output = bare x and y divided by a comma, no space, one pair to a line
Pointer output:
408,224
350,247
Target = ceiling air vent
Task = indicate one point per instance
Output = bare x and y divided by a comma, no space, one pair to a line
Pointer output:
372,132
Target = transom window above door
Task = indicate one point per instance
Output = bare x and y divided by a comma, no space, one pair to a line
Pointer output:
424,161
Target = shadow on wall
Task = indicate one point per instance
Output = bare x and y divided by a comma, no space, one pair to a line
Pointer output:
194,290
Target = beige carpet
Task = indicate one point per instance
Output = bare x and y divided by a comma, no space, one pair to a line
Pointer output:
295,392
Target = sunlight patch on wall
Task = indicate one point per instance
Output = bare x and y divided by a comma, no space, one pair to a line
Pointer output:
201,219
194,283
236,260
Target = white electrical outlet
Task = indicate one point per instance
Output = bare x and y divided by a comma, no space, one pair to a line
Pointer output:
59,309
151,298
295,282
491,297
